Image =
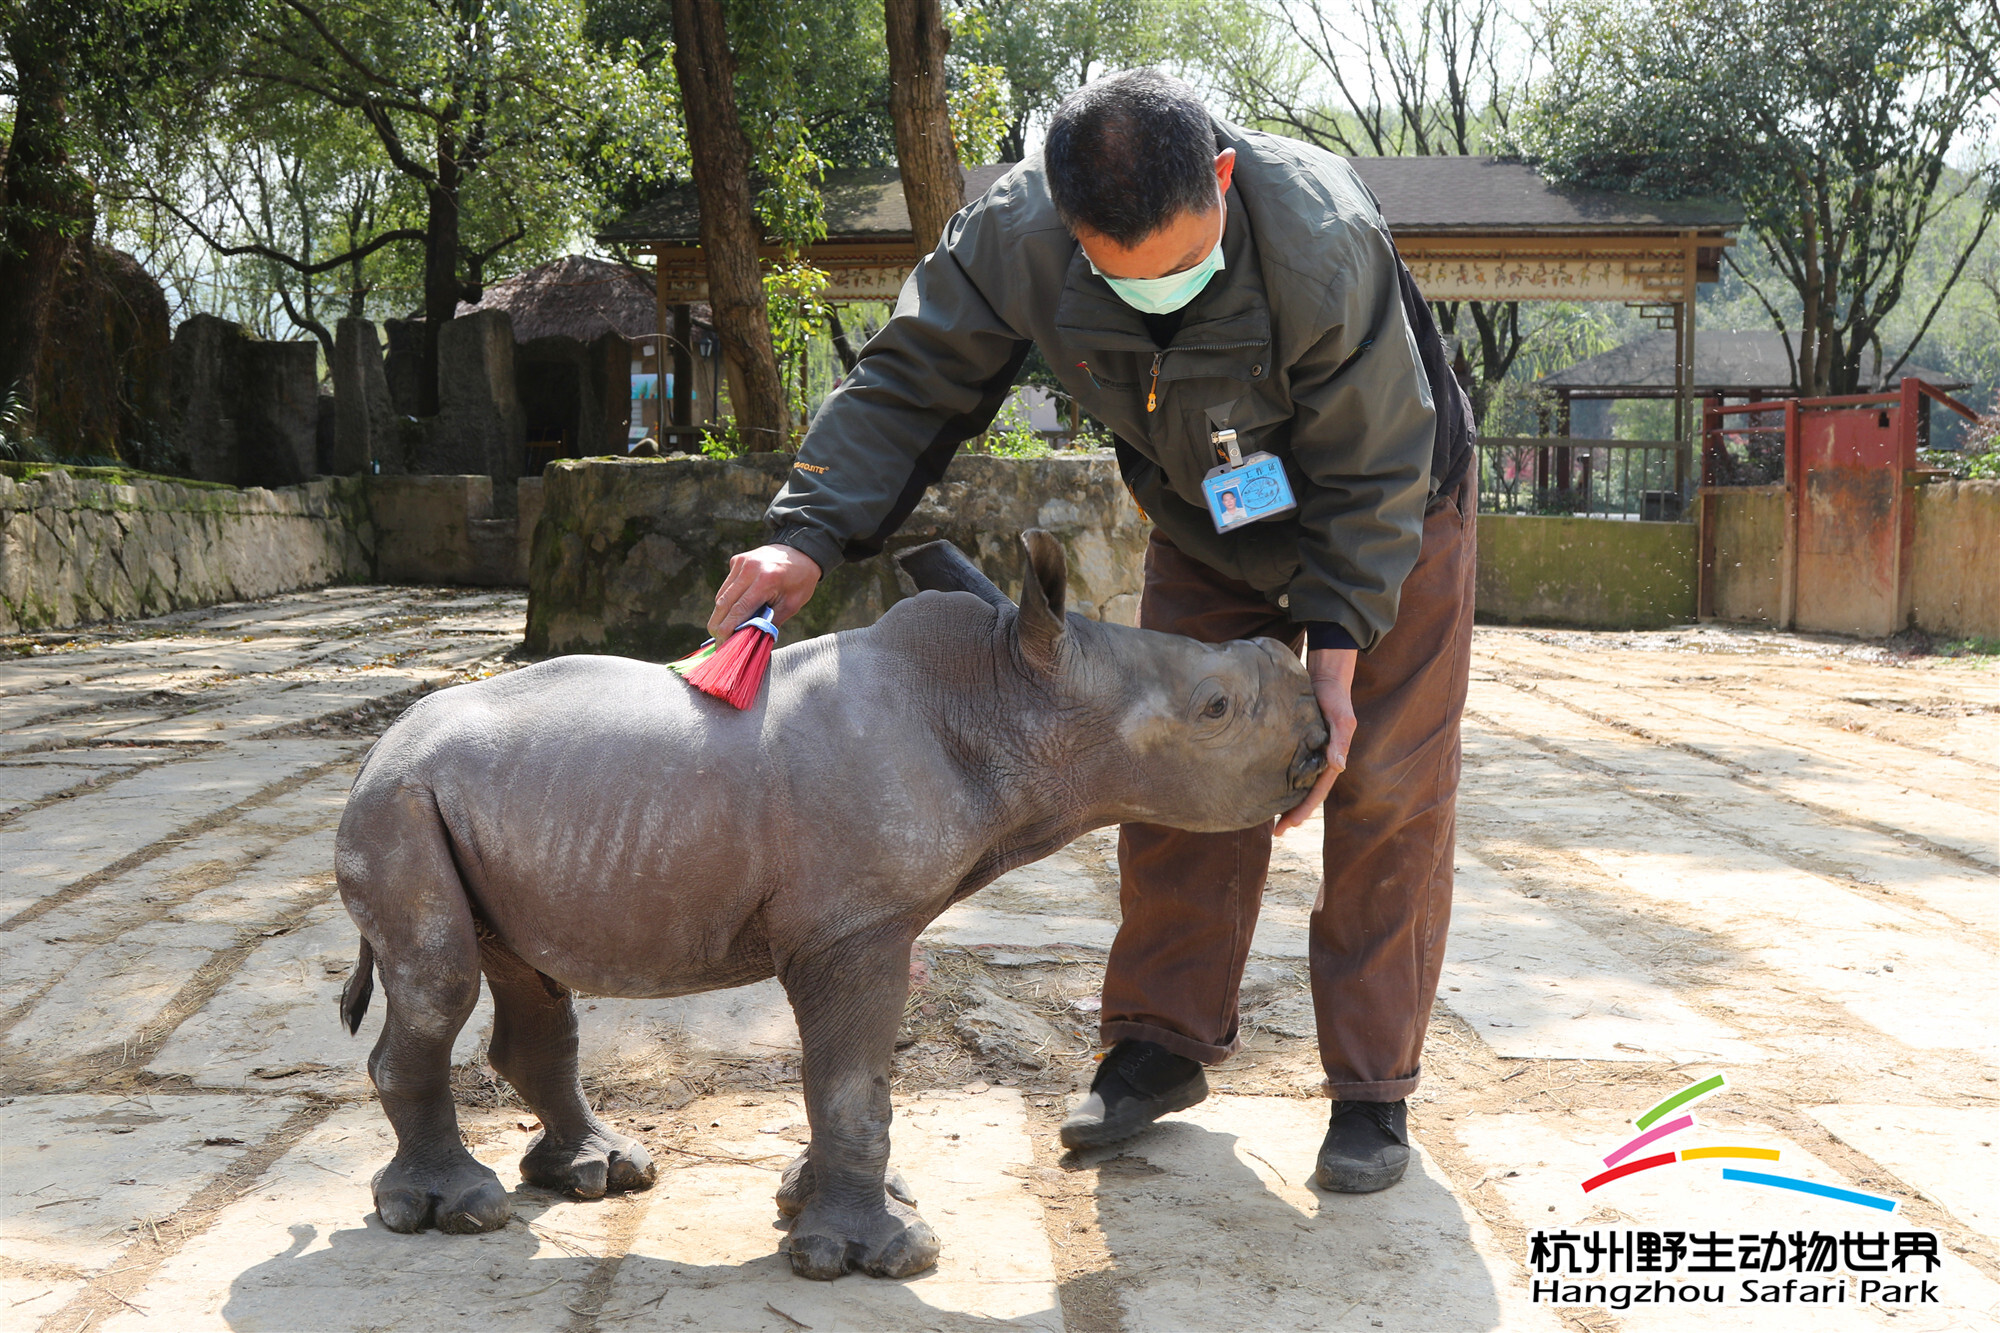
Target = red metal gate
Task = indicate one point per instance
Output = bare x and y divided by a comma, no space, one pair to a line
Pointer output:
1849,465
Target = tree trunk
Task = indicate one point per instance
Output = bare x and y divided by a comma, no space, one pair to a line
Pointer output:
729,230
926,154
441,285
842,346
44,201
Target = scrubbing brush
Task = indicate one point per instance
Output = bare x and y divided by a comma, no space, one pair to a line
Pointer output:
734,671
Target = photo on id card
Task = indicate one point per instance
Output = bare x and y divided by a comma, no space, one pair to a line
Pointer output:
1242,495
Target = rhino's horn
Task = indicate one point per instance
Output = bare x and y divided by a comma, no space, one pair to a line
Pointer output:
942,567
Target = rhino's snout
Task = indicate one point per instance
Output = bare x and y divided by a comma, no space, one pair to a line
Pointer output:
1310,761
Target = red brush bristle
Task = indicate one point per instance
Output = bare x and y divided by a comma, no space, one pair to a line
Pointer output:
736,671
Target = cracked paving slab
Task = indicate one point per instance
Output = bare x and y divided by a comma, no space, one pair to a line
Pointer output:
1538,1163
83,1173
1214,1212
1535,986
1947,1152
706,1257
1635,904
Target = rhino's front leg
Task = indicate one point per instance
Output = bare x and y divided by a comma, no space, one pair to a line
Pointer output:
848,998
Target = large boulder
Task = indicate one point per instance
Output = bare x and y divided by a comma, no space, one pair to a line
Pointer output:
102,380
364,423
630,551
247,411
207,385
478,427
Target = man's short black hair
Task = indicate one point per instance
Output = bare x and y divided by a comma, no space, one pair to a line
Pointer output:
1130,153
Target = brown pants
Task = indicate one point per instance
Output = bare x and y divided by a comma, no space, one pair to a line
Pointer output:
1377,932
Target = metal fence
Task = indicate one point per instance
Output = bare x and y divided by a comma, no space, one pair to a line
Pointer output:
1635,479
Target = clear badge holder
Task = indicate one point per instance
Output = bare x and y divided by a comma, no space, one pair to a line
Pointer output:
1246,488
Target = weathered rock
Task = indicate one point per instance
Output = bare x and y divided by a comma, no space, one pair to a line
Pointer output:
247,411
101,380
478,427
1002,1028
364,426
633,550
402,365
207,382
277,413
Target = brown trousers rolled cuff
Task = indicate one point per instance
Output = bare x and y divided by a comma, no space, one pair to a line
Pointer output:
1377,933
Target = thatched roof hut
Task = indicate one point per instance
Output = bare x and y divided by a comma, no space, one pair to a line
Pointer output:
578,298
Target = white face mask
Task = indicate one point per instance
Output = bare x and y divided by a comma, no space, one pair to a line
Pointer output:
1160,296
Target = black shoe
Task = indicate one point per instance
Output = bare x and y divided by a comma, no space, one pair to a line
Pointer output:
1137,1082
1367,1147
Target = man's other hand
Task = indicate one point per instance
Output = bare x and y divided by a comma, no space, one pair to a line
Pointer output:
774,575
1332,672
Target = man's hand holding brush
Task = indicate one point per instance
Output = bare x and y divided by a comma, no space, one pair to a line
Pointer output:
774,576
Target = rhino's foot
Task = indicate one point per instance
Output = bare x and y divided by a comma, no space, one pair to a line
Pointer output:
460,1196
888,1242
603,1162
796,1186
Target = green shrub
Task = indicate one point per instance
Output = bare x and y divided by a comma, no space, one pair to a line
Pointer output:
1017,441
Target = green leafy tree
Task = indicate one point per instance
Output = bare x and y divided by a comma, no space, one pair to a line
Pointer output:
82,85
1050,48
1381,78
487,111
1847,128
298,219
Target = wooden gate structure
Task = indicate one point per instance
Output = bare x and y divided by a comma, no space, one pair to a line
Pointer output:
1470,228
1847,469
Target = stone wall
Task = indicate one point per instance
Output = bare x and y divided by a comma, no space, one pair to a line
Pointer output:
247,410
445,530
1955,566
1597,572
631,551
85,544
1954,576
1749,540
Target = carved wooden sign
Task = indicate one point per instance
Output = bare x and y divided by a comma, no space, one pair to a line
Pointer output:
1533,278
844,283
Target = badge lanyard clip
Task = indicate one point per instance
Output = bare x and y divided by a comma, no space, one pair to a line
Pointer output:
1226,448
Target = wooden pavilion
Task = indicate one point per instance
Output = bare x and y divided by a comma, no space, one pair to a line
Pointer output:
1470,228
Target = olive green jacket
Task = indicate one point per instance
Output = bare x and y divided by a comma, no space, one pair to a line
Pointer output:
1301,345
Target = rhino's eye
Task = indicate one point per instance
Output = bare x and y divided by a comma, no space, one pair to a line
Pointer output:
1216,707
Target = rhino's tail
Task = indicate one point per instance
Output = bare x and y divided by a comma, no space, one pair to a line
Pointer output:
360,988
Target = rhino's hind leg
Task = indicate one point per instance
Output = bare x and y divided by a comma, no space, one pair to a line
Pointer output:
398,879
534,1048
433,1180
848,998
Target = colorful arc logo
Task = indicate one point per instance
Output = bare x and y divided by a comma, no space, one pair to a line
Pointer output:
1653,1131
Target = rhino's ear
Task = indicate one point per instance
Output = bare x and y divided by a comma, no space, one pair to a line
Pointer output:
942,567
1044,598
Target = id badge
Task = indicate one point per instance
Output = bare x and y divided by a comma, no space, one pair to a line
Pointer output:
1240,495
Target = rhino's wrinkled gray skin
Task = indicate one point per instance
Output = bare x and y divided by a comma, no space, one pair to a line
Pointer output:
594,824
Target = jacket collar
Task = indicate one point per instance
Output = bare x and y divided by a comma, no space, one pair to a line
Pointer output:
1231,311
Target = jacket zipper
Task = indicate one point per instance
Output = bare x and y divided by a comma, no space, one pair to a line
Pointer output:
1153,390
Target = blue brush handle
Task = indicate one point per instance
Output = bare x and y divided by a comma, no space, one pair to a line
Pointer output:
763,621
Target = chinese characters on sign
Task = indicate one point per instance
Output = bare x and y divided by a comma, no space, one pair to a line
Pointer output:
1495,278
1885,1267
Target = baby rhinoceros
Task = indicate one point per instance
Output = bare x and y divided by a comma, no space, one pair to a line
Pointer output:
594,824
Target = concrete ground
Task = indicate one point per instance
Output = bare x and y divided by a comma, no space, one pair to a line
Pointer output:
1680,854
